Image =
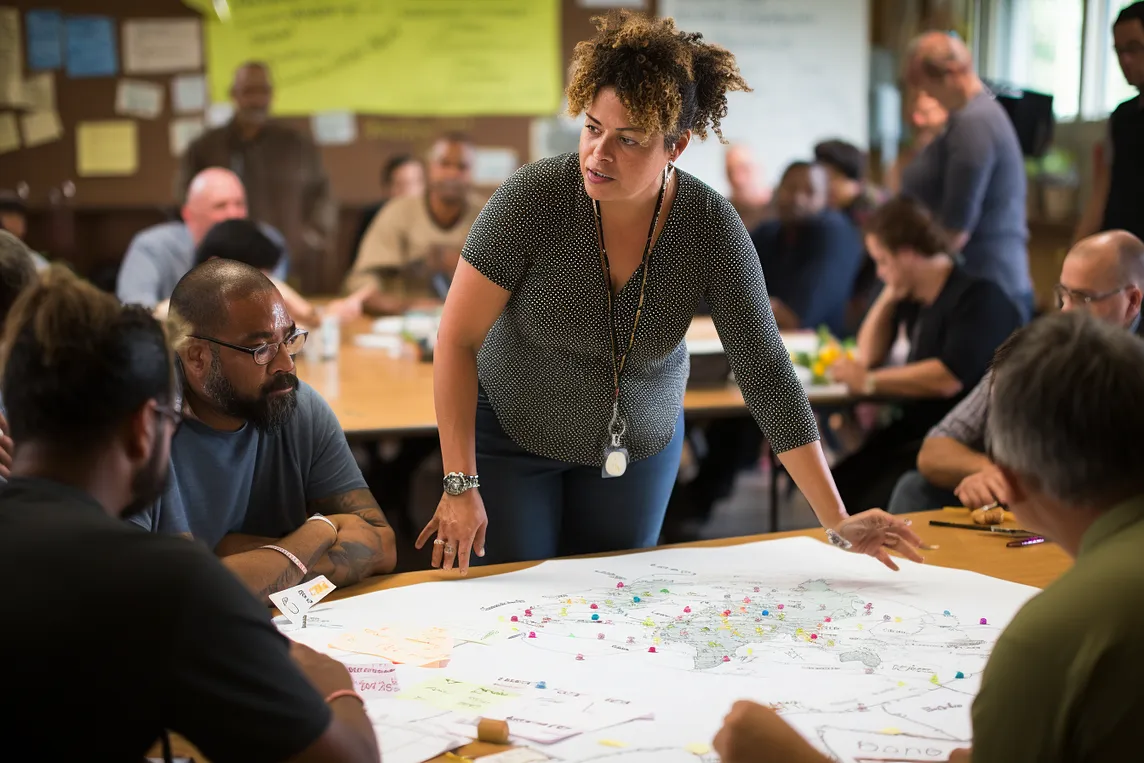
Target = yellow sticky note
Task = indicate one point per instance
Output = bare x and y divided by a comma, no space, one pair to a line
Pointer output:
613,743
107,148
451,694
9,135
697,748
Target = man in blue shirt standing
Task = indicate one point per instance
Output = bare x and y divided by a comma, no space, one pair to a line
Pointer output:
972,176
260,469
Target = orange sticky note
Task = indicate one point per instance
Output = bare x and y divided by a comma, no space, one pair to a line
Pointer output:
426,648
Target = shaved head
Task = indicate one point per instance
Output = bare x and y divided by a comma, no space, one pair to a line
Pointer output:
214,195
200,303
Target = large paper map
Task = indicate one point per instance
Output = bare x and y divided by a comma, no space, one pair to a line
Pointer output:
865,662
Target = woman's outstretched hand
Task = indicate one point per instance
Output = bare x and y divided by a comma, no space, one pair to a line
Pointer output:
876,533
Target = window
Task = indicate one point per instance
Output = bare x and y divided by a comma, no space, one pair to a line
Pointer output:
1036,45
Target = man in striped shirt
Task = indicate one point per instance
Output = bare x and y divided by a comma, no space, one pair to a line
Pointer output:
1102,274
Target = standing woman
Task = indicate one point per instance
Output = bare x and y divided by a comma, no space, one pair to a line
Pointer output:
560,364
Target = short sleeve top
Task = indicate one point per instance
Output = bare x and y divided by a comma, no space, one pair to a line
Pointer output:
546,363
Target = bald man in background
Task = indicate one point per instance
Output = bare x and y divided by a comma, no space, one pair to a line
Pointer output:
972,176
282,171
162,254
1102,275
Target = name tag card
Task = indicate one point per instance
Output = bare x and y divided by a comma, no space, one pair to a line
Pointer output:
295,602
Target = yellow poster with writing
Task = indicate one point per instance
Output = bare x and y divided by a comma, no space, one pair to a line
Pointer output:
399,57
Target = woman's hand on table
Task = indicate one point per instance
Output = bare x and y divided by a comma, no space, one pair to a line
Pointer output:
459,523
876,533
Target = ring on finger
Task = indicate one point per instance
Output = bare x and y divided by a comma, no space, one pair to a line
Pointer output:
438,542
450,550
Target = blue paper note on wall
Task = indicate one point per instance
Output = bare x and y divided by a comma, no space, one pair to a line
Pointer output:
91,46
45,39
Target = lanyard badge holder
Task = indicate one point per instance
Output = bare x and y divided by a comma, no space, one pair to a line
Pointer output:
616,456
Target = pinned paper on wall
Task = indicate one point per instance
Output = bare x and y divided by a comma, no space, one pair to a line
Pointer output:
138,98
162,46
91,49
40,92
183,131
9,135
334,128
45,30
188,93
40,127
492,166
219,114
11,59
107,148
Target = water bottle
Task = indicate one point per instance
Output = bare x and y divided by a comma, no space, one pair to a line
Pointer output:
331,331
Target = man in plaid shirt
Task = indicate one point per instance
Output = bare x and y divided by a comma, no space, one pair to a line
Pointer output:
1103,274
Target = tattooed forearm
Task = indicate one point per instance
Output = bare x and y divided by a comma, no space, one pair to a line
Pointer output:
365,544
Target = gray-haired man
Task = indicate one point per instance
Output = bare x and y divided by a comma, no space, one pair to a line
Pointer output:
1102,275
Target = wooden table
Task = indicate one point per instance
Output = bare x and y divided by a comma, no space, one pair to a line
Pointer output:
962,549
376,394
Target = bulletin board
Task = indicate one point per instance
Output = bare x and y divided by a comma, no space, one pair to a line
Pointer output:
353,168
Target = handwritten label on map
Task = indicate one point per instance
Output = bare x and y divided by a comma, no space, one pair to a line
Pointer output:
460,696
377,679
426,648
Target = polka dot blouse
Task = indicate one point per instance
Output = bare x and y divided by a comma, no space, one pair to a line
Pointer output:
546,363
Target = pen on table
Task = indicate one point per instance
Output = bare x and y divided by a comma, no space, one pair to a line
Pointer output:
981,528
1030,541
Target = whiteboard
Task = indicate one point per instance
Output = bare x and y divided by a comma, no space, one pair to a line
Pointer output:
808,62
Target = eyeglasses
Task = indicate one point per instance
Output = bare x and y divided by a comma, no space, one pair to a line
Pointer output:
264,353
1082,298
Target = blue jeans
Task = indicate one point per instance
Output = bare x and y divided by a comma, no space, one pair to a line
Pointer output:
915,493
540,508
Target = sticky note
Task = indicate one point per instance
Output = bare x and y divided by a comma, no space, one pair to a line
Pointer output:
40,92
45,32
91,48
697,748
376,679
107,148
40,127
428,647
9,135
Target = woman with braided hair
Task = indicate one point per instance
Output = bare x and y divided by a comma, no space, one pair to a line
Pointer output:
560,363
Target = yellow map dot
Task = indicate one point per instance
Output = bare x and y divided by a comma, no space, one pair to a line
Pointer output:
613,743
697,748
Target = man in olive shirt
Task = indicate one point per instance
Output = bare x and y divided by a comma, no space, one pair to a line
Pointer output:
408,255
1063,682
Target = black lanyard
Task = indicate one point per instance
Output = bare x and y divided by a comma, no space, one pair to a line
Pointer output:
618,360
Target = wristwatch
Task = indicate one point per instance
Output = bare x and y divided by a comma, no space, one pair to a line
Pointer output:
458,482
836,539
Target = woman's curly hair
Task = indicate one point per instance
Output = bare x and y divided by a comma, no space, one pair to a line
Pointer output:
670,81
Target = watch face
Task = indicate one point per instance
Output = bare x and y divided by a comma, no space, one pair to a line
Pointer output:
454,485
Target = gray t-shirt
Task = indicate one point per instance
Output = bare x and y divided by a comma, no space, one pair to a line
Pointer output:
973,178
162,254
250,481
